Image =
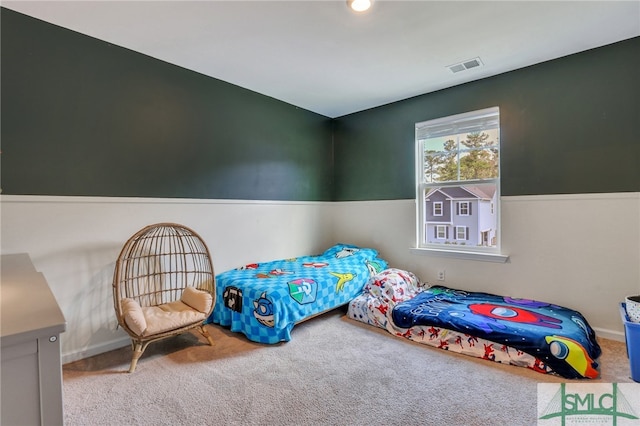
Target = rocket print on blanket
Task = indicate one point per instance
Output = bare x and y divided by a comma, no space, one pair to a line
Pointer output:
557,336
541,336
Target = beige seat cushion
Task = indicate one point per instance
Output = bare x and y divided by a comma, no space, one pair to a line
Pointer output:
133,316
150,320
199,300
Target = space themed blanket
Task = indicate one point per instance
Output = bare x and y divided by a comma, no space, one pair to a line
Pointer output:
265,300
541,336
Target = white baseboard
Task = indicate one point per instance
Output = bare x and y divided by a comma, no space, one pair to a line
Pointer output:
95,350
610,334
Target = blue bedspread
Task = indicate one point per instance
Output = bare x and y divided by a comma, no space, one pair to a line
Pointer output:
265,300
557,336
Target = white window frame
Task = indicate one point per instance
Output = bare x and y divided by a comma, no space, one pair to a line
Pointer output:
464,233
442,228
456,124
466,208
437,205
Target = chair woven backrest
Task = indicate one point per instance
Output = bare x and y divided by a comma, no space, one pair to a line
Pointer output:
158,262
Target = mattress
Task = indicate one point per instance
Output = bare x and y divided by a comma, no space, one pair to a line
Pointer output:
541,336
265,300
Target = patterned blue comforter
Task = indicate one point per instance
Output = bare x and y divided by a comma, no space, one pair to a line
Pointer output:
265,300
559,337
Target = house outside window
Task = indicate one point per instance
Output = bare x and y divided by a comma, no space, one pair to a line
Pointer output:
458,182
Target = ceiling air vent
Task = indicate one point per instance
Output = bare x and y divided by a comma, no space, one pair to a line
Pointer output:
465,65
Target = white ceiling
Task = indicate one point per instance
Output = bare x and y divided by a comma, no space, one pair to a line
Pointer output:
320,56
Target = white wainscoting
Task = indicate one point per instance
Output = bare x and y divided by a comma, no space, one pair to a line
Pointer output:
581,251
577,250
75,241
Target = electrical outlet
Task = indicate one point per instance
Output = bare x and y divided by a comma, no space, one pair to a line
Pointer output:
441,275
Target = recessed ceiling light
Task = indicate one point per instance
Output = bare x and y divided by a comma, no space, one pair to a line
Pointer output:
359,5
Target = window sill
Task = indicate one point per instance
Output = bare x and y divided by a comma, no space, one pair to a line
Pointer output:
465,255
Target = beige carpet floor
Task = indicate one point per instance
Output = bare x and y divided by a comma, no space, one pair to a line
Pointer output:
334,371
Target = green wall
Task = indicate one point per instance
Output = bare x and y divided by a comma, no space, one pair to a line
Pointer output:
567,126
83,117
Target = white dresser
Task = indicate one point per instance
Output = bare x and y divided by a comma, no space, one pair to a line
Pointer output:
31,323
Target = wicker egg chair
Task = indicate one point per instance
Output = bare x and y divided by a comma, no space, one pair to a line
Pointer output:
163,285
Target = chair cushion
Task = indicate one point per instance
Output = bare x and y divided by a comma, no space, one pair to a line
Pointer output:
199,300
149,320
133,316
170,316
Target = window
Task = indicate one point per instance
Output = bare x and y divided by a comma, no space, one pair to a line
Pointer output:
462,233
458,182
464,208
